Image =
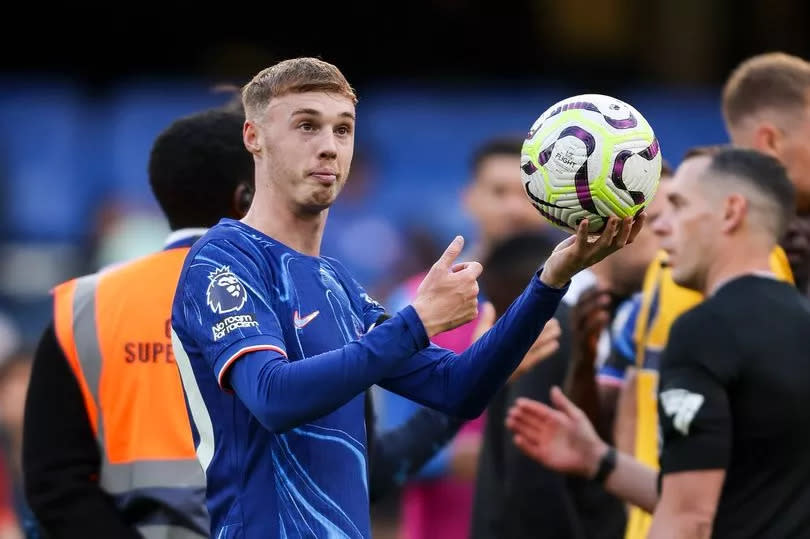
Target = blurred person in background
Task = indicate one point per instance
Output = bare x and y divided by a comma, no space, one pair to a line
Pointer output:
15,372
513,496
508,480
108,449
12,504
438,503
766,107
600,319
796,245
600,316
9,527
734,384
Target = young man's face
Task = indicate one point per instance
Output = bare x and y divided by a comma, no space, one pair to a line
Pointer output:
497,201
305,144
689,224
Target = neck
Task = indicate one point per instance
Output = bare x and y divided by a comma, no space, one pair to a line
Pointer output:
737,263
300,231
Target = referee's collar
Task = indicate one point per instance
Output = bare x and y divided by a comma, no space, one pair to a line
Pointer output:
183,237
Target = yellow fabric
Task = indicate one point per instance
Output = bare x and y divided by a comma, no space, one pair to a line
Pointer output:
650,336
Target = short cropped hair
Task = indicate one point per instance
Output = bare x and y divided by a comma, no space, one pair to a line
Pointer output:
296,75
765,176
767,81
195,166
509,145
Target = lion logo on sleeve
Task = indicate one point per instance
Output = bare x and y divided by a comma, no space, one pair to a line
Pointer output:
225,293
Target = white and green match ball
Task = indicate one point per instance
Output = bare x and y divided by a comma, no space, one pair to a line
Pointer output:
589,157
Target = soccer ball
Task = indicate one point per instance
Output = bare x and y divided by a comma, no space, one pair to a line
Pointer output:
590,157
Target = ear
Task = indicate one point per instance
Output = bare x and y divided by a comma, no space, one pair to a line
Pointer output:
242,199
767,139
735,211
251,137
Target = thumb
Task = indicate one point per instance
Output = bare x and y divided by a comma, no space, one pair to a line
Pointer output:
486,319
562,403
450,254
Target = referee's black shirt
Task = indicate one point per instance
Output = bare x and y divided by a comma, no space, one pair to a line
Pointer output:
735,395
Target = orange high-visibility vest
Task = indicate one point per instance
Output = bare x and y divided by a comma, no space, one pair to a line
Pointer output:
114,329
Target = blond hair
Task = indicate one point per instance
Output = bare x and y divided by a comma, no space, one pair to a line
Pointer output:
295,75
773,80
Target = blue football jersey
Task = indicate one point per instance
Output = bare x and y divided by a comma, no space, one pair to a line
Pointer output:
285,455
241,291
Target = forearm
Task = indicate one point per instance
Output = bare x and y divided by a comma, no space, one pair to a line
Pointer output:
462,384
283,394
401,452
634,482
688,504
682,526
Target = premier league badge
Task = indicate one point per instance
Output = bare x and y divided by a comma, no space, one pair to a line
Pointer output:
226,293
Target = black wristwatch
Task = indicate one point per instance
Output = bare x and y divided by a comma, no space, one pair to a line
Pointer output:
606,465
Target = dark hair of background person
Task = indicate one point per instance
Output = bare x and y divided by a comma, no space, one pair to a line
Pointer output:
509,145
196,165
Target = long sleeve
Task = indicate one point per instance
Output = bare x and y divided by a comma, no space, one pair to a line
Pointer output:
280,393
461,385
60,456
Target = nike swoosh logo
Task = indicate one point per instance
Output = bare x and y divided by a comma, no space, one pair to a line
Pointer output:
299,322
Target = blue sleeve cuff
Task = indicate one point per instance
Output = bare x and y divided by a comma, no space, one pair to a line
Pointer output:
415,326
241,347
538,285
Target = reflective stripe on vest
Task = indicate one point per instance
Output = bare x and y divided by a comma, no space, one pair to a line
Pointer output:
159,472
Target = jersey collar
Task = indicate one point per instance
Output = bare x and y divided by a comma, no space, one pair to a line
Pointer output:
183,237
